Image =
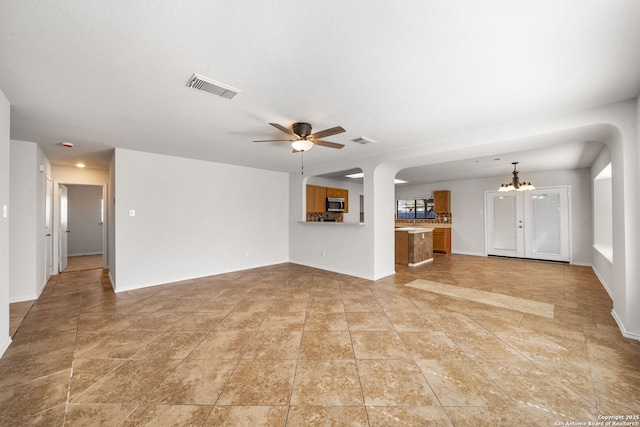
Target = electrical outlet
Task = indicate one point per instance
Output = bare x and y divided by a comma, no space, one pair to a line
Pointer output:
246,253
324,254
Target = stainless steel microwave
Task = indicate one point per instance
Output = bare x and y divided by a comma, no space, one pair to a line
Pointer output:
335,204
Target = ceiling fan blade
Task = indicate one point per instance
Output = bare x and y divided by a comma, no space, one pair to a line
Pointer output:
274,140
283,129
328,132
328,144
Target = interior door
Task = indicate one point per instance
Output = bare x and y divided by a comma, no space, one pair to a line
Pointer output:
547,224
504,224
64,228
530,224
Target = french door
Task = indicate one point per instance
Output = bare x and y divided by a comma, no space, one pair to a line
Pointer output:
528,224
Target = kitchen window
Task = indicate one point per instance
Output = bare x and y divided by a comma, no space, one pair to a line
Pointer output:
415,209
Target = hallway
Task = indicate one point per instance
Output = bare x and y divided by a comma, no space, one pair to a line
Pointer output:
291,345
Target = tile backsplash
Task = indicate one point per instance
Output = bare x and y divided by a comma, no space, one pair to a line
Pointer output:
441,218
324,216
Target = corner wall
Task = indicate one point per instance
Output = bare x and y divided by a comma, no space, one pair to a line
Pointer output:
5,339
22,243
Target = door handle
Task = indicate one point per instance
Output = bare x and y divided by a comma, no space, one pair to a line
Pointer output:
48,235
68,231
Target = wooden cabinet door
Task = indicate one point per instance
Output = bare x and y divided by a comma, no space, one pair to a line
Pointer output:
438,240
442,201
345,194
332,192
311,198
442,240
321,199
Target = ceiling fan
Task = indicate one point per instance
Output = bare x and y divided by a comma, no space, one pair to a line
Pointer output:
304,140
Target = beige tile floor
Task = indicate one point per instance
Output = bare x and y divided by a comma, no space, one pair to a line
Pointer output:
291,345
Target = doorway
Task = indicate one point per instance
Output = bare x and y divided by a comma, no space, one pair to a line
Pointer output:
81,231
531,224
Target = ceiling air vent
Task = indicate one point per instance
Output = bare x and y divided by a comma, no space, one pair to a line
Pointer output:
364,140
212,86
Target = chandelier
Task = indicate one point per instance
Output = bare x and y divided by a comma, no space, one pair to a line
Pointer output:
515,182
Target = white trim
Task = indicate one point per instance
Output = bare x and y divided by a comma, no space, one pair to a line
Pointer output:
469,253
23,299
5,345
86,254
605,250
625,333
604,284
420,263
339,271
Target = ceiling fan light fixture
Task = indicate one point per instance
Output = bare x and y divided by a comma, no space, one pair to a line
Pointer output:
302,145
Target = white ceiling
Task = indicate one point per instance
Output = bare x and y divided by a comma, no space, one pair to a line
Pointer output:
105,74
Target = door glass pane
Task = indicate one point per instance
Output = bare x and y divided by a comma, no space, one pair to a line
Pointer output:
545,223
505,227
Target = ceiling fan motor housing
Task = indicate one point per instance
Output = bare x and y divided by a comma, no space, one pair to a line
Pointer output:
303,130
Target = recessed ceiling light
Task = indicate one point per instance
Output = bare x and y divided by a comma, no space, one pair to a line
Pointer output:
80,165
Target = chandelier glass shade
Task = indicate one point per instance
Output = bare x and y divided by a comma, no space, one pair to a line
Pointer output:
515,184
302,145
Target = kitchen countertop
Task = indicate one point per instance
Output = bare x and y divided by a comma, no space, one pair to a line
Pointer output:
422,225
415,230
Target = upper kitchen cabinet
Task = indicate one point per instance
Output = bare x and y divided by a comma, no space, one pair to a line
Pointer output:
442,201
316,198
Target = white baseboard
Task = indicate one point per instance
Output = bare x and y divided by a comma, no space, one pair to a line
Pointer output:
85,254
5,345
603,282
347,273
23,299
468,253
113,282
624,331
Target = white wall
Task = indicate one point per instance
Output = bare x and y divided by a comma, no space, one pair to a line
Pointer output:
84,219
110,214
23,221
27,229
5,339
602,252
467,208
194,218
362,250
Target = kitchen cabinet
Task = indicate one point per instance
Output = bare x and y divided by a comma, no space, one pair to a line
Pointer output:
442,201
442,240
316,198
